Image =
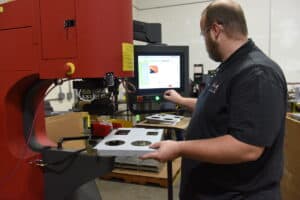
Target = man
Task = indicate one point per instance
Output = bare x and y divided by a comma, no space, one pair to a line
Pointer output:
234,142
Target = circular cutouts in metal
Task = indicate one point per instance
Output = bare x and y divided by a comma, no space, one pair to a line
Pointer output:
114,142
122,132
152,133
168,119
141,143
154,117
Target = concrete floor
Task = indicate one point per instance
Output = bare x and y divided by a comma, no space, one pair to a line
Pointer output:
113,190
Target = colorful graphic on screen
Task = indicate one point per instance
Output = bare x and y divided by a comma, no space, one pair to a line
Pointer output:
156,71
153,69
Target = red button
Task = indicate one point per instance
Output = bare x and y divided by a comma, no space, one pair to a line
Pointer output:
139,99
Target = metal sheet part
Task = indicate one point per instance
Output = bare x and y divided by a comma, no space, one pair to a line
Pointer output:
129,142
164,118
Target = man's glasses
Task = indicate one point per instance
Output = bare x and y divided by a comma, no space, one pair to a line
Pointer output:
205,31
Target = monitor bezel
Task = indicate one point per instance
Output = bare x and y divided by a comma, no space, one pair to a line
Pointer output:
149,50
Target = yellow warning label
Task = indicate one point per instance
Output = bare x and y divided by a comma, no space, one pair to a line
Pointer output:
127,50
1,9
5,1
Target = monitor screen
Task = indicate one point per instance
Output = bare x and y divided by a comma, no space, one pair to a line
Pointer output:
158,68
158,71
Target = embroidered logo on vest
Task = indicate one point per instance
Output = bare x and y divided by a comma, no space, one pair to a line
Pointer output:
214,87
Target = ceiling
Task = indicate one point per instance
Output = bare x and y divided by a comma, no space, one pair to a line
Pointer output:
151,4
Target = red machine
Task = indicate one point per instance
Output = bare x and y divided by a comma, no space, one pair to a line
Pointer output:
41,41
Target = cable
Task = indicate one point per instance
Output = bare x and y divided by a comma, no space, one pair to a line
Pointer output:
86,97
126,84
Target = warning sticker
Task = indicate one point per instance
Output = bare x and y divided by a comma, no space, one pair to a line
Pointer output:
5,1
127,49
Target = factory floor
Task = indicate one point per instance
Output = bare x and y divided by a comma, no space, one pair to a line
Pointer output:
114,190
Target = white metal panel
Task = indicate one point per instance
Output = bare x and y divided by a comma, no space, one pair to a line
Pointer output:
129,142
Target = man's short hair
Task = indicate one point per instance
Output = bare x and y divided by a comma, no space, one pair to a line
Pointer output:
230,16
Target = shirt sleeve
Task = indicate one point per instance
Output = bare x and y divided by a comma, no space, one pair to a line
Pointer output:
256,107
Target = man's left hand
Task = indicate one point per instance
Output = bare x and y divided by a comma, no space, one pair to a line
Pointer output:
165,151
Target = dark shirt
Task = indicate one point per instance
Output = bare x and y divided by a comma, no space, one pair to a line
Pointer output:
247,100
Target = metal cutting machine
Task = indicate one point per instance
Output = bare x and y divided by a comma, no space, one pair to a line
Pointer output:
41,42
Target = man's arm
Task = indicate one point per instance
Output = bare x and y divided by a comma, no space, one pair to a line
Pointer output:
220,150
173,96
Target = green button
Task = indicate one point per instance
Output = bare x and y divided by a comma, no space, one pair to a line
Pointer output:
157,98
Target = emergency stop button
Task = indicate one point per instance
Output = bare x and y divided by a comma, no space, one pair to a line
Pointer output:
70,67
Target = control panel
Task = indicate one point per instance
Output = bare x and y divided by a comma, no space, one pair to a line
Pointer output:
153,103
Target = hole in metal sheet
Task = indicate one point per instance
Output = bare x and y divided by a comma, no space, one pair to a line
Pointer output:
168,119
152,133
122,132
141,143
115,142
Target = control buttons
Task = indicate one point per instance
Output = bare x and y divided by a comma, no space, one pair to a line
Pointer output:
148,99
157,98
139,99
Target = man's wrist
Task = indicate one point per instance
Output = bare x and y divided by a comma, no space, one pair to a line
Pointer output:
180,147
181,101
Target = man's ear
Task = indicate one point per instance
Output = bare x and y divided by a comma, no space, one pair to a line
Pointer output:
218,28
213,31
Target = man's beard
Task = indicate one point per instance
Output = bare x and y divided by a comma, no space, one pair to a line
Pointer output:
212,49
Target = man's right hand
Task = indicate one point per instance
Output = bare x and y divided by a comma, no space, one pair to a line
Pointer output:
173,96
